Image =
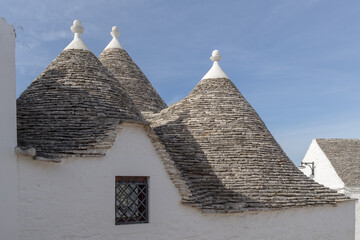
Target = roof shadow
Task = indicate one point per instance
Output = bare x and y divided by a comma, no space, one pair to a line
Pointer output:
207,191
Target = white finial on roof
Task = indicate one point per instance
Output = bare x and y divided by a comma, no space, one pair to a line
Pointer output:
77,43
215,71
115,32
114,42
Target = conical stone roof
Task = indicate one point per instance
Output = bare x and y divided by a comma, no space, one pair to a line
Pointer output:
135,83
73,107
227,157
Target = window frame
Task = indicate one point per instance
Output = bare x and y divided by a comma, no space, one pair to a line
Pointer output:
135,183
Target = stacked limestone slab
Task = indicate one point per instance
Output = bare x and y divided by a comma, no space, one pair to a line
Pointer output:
134,81
73,107
226,155
344,155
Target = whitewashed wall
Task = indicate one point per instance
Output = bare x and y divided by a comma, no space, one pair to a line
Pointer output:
8,177
354,192
74,199
325,174
357,214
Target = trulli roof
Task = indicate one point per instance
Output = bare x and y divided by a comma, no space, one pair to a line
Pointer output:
134,81
73,107
344,155
227,157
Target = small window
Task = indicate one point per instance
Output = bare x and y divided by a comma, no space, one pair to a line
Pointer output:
131,200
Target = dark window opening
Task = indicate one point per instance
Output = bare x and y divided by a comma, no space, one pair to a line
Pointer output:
131,200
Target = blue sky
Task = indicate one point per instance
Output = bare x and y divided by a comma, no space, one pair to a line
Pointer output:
296,62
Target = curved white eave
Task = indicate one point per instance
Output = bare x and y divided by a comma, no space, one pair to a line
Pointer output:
215,72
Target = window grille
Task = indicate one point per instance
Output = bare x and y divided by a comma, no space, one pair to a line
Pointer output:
131,200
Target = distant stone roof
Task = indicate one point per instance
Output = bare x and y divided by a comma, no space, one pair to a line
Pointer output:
135,83
344,155
73,108
228,158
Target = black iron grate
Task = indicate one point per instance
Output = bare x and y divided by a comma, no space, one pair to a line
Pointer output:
131,200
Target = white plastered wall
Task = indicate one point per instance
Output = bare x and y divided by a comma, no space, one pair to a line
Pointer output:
354,192
8,177
74,199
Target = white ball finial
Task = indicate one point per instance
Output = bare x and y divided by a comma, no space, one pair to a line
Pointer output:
215,71
77,43
77,27
115,32
114,43
215,56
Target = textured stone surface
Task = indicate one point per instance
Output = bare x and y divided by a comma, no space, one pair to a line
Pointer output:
344,155
228,159
73,108
132,79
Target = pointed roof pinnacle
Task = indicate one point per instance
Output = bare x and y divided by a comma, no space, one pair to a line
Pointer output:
114,42
77,42
215,71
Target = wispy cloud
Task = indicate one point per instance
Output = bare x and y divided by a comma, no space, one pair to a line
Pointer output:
55,35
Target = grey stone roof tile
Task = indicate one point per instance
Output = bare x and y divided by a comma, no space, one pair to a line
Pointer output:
227,157
344,155
135,83
72,108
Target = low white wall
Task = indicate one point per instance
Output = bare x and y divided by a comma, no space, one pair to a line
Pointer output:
74,199
8,177
354,192
357,214
324,172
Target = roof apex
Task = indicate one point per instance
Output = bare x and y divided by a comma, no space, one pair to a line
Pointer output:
114,43
77,42
215,71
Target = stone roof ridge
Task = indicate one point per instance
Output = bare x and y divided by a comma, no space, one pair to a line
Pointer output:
77,42
215,71
337,139
114,43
